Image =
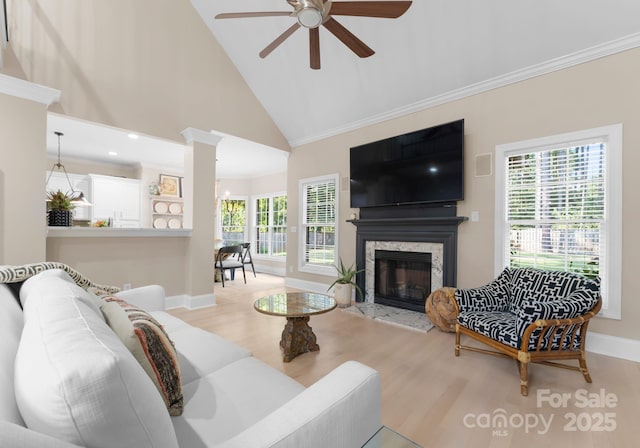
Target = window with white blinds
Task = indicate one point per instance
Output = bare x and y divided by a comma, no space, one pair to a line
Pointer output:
558,207
319,217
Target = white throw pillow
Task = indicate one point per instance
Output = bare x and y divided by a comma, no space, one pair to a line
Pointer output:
76,381
48,284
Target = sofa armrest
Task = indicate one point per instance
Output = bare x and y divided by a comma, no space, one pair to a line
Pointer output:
149,298
16,436
342,409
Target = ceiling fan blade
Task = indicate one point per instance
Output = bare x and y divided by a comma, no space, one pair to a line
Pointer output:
281,38
314,48
238,15
347,38
389,10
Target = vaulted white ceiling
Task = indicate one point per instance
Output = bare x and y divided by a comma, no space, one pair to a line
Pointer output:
438,50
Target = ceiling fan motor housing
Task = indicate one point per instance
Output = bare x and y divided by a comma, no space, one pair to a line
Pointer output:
310,13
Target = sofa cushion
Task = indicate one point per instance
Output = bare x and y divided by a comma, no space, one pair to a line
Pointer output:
55,283
222,404
10,331
169,322
150,345
201,352
16,436
76,381
496,325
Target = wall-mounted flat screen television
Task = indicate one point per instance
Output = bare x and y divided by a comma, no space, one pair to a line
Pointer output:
425,166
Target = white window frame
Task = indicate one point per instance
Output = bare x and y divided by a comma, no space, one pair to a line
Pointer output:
254,225
302,265
611,268
246,211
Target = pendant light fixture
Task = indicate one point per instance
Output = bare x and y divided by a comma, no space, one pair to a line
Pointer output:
77,197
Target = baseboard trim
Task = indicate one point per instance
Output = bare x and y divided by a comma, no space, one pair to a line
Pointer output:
190,302
320,288
265,269
615,346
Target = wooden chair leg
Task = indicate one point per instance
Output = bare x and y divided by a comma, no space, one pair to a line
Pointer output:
584,369
524,380
457,342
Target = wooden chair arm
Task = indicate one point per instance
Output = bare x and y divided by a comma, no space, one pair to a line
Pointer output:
550,327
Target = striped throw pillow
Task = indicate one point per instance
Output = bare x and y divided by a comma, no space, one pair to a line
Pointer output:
150,345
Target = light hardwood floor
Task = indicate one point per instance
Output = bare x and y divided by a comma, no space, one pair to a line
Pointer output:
428,394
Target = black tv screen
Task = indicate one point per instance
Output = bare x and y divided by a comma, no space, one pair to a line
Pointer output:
419,167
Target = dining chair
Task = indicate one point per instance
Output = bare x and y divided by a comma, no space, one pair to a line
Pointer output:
246,256
230,258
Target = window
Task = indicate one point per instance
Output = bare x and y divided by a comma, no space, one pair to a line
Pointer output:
234,218
271,225
558,207
318,229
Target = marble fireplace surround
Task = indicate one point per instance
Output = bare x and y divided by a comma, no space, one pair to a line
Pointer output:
435,249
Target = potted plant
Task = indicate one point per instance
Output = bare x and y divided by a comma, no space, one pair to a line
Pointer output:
59,209
344,284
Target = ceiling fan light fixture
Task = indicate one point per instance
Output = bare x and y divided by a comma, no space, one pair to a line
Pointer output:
310,17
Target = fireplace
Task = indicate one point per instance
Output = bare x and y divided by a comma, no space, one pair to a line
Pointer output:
402,279
427,235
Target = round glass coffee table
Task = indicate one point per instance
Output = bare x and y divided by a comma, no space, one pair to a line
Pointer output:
297,307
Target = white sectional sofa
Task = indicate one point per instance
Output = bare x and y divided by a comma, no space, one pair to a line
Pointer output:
67,380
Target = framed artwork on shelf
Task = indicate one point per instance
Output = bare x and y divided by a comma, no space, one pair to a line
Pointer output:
170,185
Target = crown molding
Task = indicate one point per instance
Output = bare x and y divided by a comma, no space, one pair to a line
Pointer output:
200,136
589,54
28,90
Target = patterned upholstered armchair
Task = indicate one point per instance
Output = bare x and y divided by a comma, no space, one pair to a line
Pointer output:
531,315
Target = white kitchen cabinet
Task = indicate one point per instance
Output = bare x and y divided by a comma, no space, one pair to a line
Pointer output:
118,199
79,183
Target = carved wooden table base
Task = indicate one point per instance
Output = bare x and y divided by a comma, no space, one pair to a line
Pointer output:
297,338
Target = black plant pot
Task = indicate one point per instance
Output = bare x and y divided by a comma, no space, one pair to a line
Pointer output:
60,218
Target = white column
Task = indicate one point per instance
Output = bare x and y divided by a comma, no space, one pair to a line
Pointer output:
200,210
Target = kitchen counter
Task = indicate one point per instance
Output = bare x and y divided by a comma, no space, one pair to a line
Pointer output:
109,232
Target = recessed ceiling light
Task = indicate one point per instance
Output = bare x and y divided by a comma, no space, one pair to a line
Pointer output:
133,136
112,153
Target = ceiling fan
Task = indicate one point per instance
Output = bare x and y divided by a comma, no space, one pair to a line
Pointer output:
312,14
